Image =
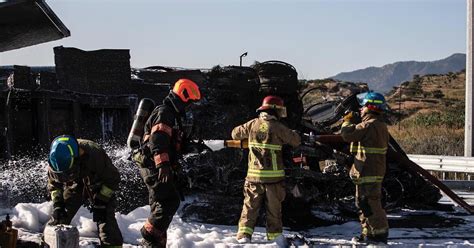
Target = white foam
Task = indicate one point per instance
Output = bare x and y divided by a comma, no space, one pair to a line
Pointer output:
215,145
30,219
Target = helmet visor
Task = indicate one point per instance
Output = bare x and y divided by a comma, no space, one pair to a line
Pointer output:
361,97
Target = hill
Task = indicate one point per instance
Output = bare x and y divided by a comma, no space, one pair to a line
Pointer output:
384,78
430,114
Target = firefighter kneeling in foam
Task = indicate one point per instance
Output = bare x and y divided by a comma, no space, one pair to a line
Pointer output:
80,171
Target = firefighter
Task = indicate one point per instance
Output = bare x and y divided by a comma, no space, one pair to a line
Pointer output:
369,141
158,159
80,170
265,175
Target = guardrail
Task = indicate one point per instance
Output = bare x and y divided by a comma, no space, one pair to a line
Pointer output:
445,164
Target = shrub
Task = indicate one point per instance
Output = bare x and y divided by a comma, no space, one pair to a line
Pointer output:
437,94
448,119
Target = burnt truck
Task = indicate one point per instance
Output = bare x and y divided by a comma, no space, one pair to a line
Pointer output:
95,94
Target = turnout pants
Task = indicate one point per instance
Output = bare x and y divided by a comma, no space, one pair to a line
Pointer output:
255,194
109,232
164,202
372,216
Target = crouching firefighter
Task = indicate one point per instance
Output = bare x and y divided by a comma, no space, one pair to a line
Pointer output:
157,159
265,174
80,170
369,141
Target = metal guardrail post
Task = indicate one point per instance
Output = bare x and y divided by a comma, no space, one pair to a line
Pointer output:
468,131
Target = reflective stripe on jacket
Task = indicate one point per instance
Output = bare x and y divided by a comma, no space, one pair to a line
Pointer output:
162,136
266,136
369,142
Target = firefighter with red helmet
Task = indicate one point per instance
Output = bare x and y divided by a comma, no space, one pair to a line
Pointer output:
369,141
158,159
265,176
79,171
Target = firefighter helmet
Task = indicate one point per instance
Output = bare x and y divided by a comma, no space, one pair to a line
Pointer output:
63,157
187,90
275,103
374,101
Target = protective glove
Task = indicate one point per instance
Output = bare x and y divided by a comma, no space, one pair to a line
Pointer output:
99,210
351,117
348,116
164,173
59,213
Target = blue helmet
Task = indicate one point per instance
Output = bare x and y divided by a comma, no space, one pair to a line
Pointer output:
62,157
374,101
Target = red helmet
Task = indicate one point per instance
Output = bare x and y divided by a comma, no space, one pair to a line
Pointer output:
187,90
274,102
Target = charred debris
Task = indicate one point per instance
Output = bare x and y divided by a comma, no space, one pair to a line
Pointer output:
94,95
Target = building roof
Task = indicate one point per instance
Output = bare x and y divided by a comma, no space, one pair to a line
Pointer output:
28,22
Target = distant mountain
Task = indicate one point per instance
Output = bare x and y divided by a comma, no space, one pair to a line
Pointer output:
384,78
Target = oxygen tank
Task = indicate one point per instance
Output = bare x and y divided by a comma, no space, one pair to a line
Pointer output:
144,110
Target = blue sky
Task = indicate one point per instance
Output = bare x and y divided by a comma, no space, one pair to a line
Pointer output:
320,38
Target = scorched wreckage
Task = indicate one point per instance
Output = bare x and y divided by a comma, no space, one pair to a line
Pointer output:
95,95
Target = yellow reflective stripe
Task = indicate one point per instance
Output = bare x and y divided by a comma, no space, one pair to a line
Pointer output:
374,101
274,160
72,156
106,191
345,124
265,146
272,236
265,173
371,150
244,229
70,151
55,194
369,179
376,150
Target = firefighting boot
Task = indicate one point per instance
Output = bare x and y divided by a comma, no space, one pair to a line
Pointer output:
281,241
153,239
380,239
243,238
359,239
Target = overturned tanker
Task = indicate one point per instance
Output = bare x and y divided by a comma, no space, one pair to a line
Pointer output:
95,94
319,190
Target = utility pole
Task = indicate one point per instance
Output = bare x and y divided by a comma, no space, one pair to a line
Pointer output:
468,132
243,55
399,106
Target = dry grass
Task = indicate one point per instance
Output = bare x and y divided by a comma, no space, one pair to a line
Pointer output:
437,140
